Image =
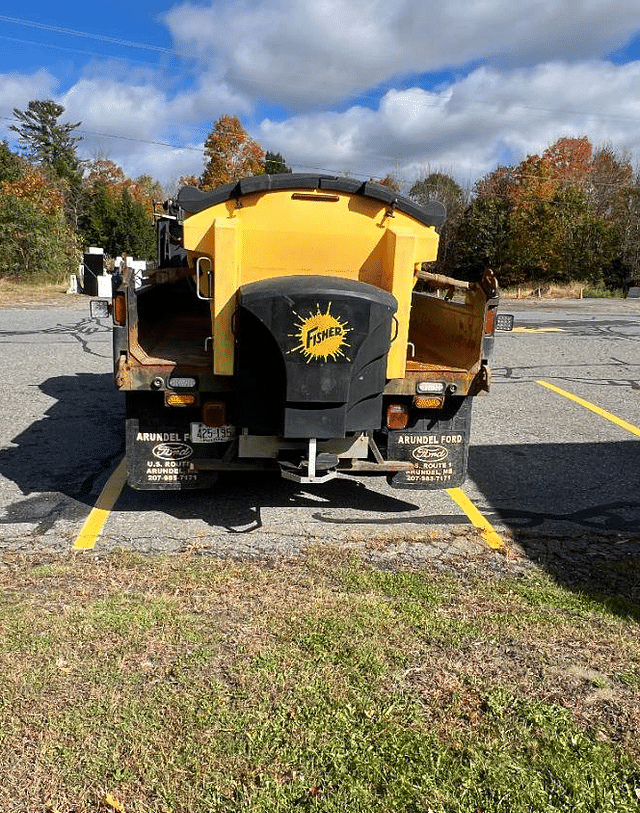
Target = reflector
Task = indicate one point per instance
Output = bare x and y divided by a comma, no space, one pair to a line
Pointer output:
490,321
120,310
214,413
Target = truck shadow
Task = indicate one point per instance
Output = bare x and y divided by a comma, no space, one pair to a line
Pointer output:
57,459
236,502
573,508
60,461
78,437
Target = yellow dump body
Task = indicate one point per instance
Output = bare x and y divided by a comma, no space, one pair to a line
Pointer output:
291,231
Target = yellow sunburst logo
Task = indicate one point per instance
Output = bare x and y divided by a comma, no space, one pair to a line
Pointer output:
321,335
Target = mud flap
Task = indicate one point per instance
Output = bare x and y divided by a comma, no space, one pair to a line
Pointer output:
161,458
437,446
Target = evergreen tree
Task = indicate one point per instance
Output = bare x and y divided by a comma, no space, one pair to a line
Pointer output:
483,239
46,141
118,211
10,164
274,164
133,233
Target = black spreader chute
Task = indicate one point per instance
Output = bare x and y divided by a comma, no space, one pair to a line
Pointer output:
311,355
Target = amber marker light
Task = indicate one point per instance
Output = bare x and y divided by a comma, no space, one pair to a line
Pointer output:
214,414
490,321
180,398
397,416
428,401
120,309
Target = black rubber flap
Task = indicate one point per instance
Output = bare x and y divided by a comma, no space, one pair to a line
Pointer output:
319,344
438,447
193,200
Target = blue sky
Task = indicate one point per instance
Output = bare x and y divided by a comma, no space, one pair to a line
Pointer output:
358,86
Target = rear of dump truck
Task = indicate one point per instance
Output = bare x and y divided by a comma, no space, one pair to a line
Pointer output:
290,326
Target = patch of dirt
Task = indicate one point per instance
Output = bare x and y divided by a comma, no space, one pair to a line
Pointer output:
13,295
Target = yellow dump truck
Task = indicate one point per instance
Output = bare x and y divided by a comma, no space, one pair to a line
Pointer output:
291,325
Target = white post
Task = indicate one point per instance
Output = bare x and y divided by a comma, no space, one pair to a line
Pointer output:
313,443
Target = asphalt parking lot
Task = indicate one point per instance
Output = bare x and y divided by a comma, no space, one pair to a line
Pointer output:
554,465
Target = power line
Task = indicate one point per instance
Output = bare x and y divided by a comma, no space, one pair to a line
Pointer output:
100,37
129,138
77,51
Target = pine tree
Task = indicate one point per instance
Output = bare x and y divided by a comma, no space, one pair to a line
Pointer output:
47,142
274,164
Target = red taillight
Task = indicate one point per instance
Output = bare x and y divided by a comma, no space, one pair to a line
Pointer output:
214,413
397,416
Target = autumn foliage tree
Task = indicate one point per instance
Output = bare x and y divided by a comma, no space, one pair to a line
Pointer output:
389,180
36,244
230,153
52,203
571,213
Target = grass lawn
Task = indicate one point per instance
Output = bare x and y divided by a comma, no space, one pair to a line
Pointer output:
191,684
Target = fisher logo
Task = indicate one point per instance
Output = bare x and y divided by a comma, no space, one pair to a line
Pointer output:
430,454
172,451
320,335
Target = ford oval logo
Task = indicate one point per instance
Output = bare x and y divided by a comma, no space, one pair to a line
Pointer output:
172,451
430,453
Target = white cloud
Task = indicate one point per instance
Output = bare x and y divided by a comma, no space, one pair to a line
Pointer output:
308,53
119,120
303,53
17,90
470,126
466,127
106,106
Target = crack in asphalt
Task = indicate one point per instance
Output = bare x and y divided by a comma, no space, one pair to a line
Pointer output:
81,331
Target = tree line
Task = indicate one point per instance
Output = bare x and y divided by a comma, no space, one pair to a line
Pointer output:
569,214
53,205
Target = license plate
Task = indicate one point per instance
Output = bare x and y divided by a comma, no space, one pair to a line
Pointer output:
201,433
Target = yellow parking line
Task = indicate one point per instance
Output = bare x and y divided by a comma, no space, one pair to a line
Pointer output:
491,536
588,405
92,528
538,330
